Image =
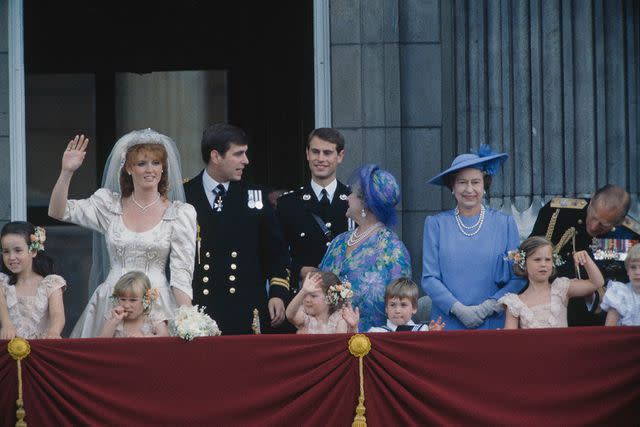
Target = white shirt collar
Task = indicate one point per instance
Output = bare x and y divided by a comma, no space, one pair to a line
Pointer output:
209,184
393,326
331,189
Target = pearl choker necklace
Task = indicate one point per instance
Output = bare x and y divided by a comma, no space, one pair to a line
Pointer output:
354,239
144,208
477,226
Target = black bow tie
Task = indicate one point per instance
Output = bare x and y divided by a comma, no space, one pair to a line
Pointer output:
404,328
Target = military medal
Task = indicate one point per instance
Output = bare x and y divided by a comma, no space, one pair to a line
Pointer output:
217,205
259,204
251,203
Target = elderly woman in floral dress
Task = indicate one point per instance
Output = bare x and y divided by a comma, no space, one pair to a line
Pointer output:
372,255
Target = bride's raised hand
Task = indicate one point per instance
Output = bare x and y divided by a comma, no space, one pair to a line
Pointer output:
74,154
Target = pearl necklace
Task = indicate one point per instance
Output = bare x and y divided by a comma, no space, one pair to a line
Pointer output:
354,239
462,227
144,208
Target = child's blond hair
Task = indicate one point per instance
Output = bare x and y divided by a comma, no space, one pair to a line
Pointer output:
633,255
133,282
402,287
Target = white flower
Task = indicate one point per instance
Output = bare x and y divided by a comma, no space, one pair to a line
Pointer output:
192,322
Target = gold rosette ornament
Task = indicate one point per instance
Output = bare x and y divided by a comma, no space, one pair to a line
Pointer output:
360,346
19,348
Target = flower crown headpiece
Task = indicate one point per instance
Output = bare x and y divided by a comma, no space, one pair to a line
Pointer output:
37,240
519,257
339,294
148,299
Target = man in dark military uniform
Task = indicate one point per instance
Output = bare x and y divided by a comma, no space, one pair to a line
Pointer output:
589,224
240,243
314,214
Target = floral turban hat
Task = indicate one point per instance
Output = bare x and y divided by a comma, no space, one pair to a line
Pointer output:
380,192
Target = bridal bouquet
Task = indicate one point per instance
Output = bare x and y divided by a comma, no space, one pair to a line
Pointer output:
192,322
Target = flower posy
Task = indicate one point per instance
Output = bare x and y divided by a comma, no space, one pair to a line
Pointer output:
192,322
339,294
37,240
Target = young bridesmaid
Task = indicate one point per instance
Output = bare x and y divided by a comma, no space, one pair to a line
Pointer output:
133,314
31,303
323,306
543,302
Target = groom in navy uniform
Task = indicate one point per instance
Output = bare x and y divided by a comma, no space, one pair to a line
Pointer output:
240,243
314,214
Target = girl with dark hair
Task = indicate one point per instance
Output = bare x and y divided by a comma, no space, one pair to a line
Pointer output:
30,294
543,303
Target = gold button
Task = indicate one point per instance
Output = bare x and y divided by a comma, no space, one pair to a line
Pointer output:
208,254
302,234
205,279
232,290
234,254
579,221
205,291
232,278
206,267
233,266
328,243
328,225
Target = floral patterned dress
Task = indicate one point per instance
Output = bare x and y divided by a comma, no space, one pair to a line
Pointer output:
30,314
369,267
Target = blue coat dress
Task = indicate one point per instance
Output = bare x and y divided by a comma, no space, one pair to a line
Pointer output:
468,269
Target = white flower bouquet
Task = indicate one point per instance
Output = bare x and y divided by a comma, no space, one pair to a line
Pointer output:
192,322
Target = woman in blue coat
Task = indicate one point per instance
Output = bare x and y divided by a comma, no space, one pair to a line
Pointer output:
464,268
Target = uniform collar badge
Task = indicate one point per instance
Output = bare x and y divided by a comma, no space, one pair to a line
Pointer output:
343,197
306,197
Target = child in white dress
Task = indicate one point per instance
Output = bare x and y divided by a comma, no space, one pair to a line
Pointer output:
622,300
323,306
31,303
543,302
133,315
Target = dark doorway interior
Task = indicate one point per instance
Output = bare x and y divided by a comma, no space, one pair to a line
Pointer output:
265,47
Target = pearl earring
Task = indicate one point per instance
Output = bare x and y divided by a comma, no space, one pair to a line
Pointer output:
363,214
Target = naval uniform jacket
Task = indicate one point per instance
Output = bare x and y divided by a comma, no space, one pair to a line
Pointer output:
305,238
555,221
239,248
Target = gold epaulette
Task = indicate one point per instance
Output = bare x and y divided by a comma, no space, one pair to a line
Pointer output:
565,202
280,282
631,224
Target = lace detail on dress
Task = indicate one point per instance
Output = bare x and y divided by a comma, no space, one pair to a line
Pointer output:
148,326
549,315
314,327
30,314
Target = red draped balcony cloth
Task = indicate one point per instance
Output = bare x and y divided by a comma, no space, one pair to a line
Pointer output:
563,377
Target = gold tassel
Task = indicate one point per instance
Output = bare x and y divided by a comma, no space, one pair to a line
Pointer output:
255,323
19,349
359,346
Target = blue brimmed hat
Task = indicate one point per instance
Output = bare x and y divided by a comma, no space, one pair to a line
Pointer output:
486,160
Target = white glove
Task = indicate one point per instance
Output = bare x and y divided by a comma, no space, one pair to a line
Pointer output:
468,315
488,307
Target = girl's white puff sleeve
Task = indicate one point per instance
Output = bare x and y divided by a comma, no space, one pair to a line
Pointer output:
96,212
183,248
617,297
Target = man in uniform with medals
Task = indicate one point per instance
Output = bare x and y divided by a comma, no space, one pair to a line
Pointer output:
599,225
240,243
314,214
